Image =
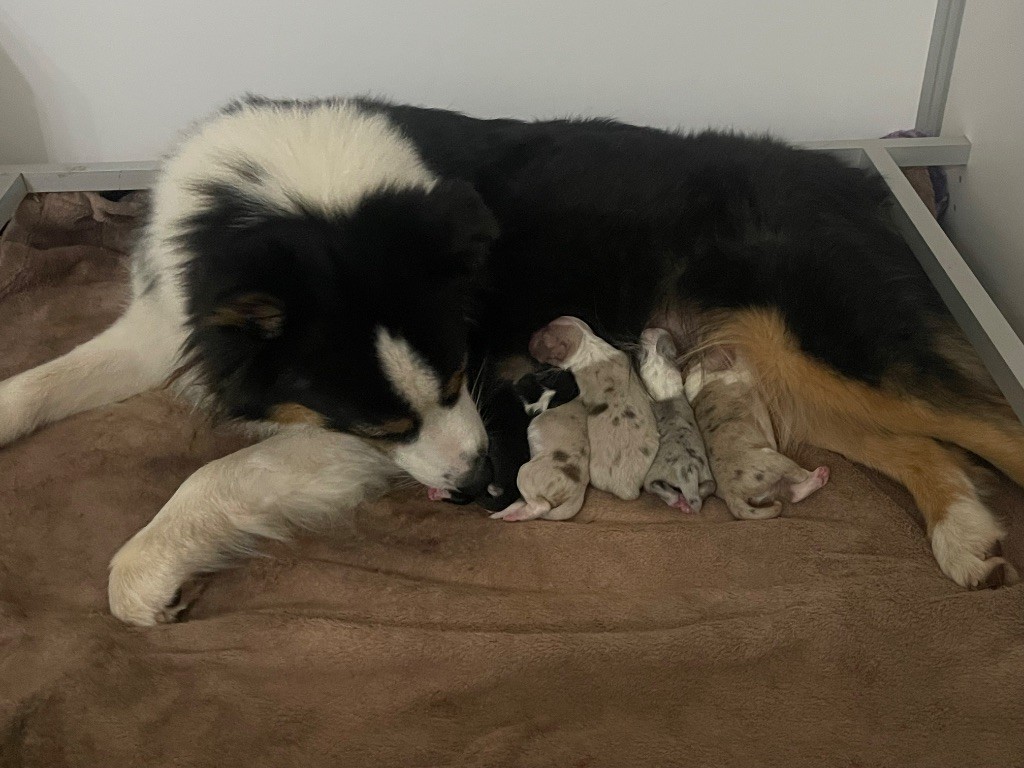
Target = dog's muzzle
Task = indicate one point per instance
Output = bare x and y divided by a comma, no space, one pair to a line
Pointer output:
474,483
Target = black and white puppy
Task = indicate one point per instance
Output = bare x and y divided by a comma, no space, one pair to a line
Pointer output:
508,411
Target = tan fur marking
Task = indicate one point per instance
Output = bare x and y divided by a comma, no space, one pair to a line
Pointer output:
453,386
933,474
293,413
260,310
387,428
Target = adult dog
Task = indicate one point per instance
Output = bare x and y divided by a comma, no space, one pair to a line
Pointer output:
334,271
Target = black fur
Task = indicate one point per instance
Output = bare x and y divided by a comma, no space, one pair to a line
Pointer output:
608,222
405,260
612,223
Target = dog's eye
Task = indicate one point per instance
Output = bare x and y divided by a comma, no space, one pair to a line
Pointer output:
451,389
396,429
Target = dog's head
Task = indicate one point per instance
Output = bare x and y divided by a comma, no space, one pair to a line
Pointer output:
354,321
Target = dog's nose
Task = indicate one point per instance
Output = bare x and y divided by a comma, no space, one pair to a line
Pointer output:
474,483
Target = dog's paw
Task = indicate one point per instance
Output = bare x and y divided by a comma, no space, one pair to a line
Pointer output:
965,544
142,590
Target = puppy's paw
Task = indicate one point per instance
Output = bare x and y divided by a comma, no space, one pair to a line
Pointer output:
520,511
674,496
142,590
965,543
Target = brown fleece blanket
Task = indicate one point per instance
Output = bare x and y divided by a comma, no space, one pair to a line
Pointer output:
415,633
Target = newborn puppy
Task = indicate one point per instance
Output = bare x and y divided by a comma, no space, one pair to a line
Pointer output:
554,481
507,410
680,474
620,422
753,477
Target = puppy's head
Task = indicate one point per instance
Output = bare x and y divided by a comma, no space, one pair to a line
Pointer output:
354,321
557,342
658,367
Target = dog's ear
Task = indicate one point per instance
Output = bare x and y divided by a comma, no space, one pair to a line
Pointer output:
257,313
470,228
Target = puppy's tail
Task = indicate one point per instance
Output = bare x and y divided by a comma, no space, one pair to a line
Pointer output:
137,353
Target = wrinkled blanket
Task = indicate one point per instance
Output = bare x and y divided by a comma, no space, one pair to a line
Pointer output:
413,633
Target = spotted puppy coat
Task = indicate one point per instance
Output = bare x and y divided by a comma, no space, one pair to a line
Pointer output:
553,483
620,422
680,474
752,476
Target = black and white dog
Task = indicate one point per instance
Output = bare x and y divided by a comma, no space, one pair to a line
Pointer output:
332,271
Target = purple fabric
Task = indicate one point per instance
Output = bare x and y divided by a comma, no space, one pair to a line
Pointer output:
937,173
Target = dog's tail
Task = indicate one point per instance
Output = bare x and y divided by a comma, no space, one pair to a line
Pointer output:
804,394
138,352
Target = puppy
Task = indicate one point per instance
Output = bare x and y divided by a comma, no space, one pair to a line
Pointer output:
753,477
680,474
508,410
554,481
620,422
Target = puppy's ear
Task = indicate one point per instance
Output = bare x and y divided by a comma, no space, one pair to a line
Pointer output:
658,341
259,314
666,346
469,225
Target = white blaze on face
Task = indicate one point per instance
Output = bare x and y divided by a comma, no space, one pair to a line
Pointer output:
450,439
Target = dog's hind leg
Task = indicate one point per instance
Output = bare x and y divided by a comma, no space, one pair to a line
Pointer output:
136,353
895,434
964,534
298,476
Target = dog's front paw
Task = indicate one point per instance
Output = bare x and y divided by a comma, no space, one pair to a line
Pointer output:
143,590
965,543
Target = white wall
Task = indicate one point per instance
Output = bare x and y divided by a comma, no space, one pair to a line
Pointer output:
105,80
986,104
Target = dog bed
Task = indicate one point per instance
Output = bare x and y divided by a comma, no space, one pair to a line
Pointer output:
413,633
